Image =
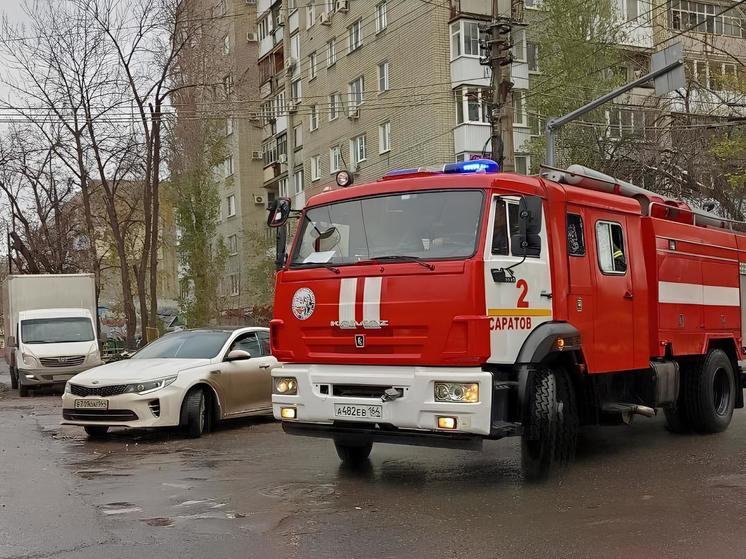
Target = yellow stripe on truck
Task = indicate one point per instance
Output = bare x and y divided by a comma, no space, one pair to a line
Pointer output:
519,312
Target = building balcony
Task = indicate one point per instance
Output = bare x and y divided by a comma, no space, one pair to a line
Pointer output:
468,70
471,137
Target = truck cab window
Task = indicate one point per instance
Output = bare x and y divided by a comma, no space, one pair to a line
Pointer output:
610,242
575,235
506,225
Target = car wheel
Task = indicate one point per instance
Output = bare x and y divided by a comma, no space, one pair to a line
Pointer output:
13,378
96,431
23,390
194,413
353,455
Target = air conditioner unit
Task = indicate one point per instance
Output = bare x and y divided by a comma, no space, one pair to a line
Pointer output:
251,37
353,114
259,199
293,106
256,155
342,5
290,63
325,18
254,117
282,158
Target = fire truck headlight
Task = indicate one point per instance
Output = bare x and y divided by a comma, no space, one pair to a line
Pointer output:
285,385
457,392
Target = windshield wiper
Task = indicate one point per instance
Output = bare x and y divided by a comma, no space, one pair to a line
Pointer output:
403,258
320,264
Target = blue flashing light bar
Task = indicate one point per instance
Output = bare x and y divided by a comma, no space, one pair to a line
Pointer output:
475,166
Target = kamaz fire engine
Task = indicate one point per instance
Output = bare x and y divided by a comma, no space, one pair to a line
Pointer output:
443,307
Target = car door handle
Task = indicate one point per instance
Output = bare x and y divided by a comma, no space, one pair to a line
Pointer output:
628,294
215,372
265,366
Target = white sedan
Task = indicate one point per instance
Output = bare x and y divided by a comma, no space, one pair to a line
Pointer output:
190,379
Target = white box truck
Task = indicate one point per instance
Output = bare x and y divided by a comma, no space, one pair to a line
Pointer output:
50,328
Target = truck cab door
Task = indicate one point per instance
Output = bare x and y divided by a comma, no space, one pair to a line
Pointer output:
613,321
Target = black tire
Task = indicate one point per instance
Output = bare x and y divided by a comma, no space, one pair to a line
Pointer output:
23,390
676,421
550,432
194,413
96,431
353,455
710,393
13,378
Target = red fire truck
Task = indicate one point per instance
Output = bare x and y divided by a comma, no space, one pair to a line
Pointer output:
442,307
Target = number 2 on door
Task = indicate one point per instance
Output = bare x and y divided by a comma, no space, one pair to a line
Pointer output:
522,284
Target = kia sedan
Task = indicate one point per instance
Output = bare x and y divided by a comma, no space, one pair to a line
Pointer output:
189,379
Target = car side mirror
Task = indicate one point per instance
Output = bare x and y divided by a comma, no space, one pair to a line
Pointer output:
12,341
528,240
237,355
279,212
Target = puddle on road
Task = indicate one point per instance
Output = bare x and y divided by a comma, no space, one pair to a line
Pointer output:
111,509
158,521
299,491
733,481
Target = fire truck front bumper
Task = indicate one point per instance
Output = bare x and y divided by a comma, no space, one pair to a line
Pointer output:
388,403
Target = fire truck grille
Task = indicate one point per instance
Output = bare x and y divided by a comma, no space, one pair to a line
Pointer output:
359,390
71,361
112,390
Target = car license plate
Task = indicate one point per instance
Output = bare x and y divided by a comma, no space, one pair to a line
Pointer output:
92,404
358,411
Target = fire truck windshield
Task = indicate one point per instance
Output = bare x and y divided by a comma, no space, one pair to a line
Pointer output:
430,225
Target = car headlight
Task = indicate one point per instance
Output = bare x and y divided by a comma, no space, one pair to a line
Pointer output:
148,386
457,392
29,360
285,385
67,388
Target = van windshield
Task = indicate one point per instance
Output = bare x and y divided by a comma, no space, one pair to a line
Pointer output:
56,330
428,225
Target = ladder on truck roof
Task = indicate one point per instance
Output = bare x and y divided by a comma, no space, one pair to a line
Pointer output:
651,203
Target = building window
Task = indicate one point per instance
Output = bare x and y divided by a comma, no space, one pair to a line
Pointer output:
532,57
282,187
295,48
335,159
383,77
233,278
355,35
532,4
382,17
228,126
231,201
331,52
229,166
226,44
219,9
713,75
312,65
610,244
298,136
464,39
263,28
685,15
296,91
310,15
521,164
315,167
519,108
232,244
335,105
359,149
535,125
519,45
298,182
279,104
313,121
228,84
630,10
356,92
384,137
471,104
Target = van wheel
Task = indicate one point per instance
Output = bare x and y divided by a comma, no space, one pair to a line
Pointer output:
13,378
551,424
23,390
96,431
710,393
194,413
353,455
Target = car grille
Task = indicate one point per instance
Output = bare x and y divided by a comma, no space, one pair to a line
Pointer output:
111,390
99,415
359,390
69,361
155,407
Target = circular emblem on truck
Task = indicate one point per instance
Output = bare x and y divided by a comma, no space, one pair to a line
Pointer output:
304,303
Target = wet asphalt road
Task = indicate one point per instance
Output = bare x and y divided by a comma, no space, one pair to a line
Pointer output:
248,490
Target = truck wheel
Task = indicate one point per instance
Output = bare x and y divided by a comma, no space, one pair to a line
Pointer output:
13,378
676,419
551,424
353,455
96,431
710,394
194,413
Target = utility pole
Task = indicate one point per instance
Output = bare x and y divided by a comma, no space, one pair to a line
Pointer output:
505,13
290,103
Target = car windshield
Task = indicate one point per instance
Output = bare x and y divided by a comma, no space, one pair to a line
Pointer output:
185,345
56,330
420,225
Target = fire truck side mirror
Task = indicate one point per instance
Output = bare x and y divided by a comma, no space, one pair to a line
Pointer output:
279,211
528,240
